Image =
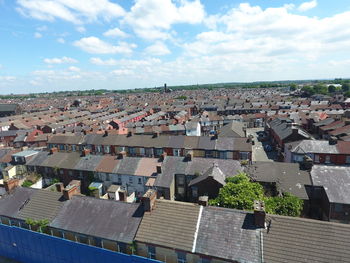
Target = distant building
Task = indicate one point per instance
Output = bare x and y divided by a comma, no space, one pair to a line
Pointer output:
9,109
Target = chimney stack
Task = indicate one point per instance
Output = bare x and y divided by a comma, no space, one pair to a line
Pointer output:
85,152
148,200
259,214
203,200
189,156
332,140
11,184
122,155
59,187
53,150
162,157
73,188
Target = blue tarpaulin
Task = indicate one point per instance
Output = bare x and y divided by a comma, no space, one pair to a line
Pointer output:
31,247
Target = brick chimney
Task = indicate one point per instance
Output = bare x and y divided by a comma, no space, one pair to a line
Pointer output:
53,150
73,188
148,200
259,214
189,156
11,184
59,187
122,155
203,200
162,157
85,152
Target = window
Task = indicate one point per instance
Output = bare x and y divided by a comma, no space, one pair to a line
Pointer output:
177,152
151,252
119,179
338,208
317,158
99,148
107,149
70,173
328,159
74,148
209,154
180,179
140,180
181,257
181,190
158,151
61,171
131,180
142,151
132,151
205,260
61,147
222,155
122,247
243,155
107,177
194,191
348,159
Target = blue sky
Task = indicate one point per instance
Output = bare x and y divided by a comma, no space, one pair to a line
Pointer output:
52,45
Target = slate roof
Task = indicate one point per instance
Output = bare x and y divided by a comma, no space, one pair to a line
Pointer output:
107,219
214,172
312,146
179,165
298,240
232,129
10,204
170,224
163,141
42,204
287,176
8,107
335,181
228,234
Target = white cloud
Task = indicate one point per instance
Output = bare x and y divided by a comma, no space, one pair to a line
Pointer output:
74,69
81,29
307,6
8,78
62,60
152,19
61,40
75,11
95,45
41,28
158,49
38,35
100,62
115,32
122,72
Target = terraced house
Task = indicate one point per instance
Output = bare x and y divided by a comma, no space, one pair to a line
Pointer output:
155,146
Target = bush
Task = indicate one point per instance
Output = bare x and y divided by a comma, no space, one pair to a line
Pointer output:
27,183
240,193
287,205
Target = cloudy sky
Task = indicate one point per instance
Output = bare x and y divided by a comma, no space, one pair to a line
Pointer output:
51,45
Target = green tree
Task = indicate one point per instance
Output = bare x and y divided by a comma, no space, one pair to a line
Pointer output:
345,87
239,193
331,88
287,205
293,87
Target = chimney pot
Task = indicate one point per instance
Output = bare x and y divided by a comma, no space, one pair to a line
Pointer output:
203,200
148,200
259,214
